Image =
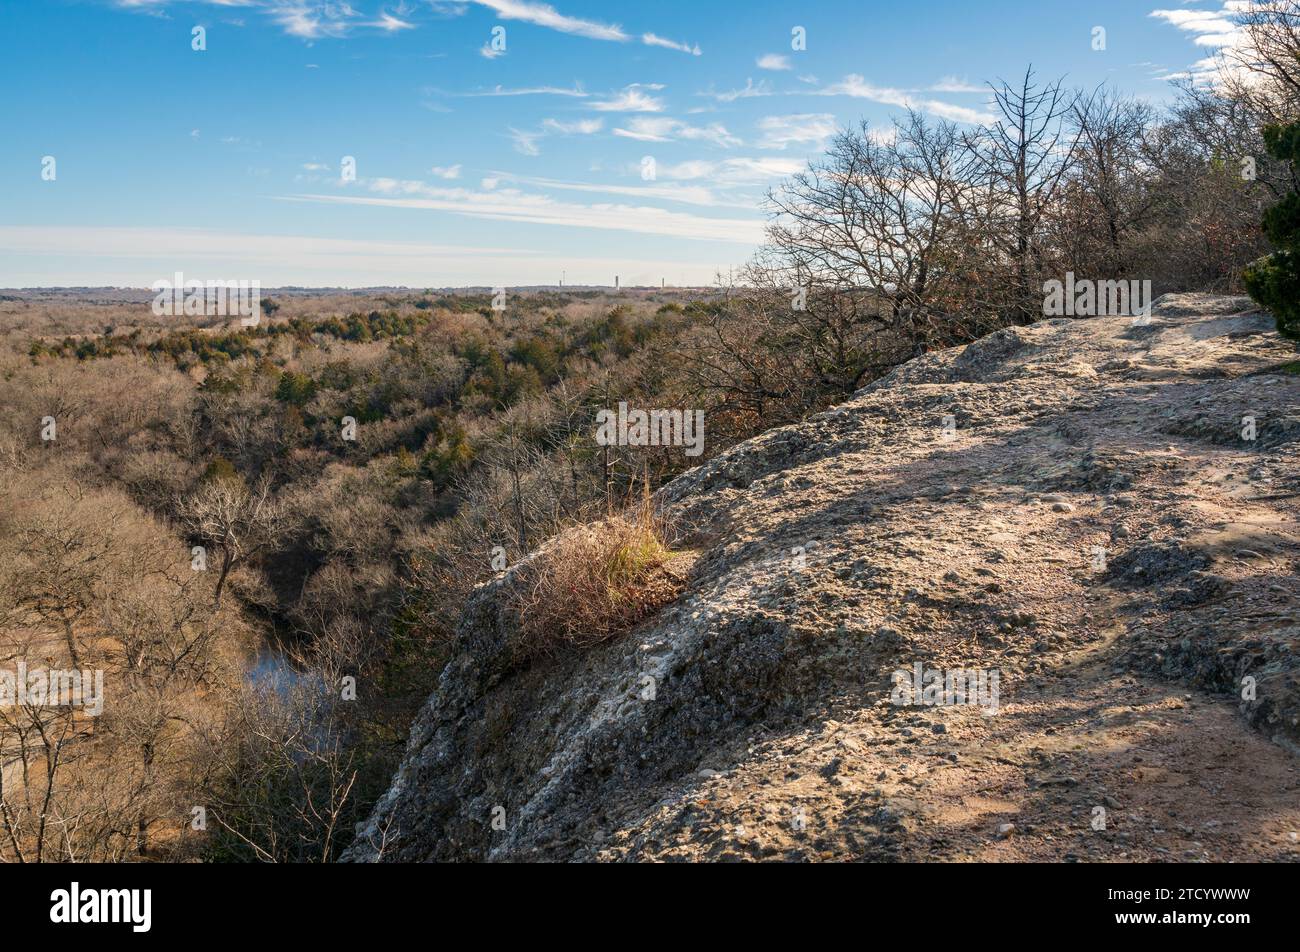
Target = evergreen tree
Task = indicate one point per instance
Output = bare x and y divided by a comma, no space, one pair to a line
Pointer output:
1274,281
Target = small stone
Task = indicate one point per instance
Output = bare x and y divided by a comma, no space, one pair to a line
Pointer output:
1062,507
1061,781
1005,830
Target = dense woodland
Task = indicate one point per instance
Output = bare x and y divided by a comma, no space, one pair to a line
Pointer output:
474,437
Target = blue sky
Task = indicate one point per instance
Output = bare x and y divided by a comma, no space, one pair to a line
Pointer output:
482,166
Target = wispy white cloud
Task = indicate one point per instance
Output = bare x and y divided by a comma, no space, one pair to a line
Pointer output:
319,19
515,205
314,21
138,242
803,129
1210,27
951,84
447,172
774,61
66,255
683,194
390,24
650,39
148,6
542,14
735,171
665,129
632,99
242,143
576,92
1216,30
857,87
545,15
525,142
751,90
583,127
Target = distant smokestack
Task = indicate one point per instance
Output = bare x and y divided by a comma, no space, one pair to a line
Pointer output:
615,282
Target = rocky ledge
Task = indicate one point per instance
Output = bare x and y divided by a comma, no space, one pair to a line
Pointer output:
1101,514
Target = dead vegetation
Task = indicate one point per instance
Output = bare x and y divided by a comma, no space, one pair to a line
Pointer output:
593,581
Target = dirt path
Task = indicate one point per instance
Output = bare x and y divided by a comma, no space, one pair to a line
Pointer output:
1140,595
1092,765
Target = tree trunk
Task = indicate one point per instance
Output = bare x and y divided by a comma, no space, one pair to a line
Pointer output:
227,561
72,644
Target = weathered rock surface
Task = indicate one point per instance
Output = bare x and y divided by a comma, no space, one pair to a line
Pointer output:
1072,505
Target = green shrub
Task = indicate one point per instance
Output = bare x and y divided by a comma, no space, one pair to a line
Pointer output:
1274,281
295,388
221,469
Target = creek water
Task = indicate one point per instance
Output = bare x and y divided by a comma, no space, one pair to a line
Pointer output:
272,670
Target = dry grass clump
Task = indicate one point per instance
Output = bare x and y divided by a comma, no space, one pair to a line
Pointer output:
594,581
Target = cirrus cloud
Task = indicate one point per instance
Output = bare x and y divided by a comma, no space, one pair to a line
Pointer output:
811,129
857,87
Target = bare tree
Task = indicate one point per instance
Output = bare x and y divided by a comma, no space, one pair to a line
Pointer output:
64,563
1109,193
1262,70
83,782
880,215
514,455
870,259
1210,180
1023,159
282,778
238,520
